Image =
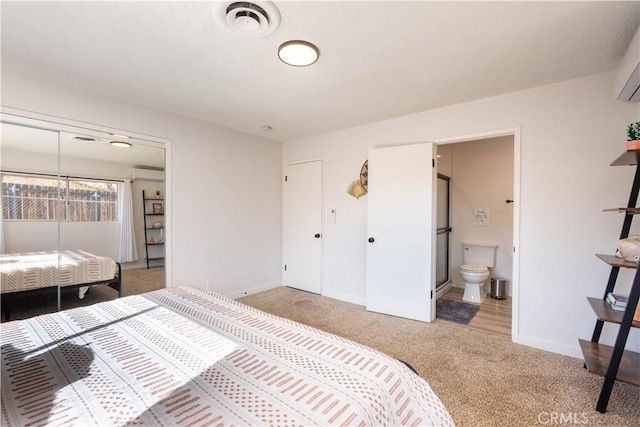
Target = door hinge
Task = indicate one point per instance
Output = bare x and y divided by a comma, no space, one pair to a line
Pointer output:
285,178
432,294
285,267
433,163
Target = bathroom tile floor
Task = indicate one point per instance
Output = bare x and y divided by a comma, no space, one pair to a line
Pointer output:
494,315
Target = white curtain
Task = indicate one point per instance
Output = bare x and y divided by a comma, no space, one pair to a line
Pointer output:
127,250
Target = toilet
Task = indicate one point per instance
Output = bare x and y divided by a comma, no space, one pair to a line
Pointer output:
476,260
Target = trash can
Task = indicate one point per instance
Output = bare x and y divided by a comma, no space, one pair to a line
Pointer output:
498,288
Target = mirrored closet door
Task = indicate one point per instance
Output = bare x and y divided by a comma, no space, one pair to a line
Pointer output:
72,230
30,220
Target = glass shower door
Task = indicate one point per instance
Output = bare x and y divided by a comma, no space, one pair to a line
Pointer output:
443,232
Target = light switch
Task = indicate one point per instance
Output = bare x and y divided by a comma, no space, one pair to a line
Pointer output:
332,216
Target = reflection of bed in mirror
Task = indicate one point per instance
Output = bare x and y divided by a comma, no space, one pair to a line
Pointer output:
42,271
64,187
187,356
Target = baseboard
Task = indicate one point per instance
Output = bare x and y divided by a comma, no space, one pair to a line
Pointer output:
134,265
253,290
554,347
487,288
344,297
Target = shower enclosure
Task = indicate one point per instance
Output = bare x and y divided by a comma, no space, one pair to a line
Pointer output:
443,235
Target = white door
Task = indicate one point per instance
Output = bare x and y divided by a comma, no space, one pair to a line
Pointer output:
302,226
402,231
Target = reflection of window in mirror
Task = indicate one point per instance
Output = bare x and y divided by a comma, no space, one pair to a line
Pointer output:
33,197
70,205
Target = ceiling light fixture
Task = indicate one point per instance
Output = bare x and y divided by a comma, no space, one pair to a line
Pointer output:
120,144
298,53
120,136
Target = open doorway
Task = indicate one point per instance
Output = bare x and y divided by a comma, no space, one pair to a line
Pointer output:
484,177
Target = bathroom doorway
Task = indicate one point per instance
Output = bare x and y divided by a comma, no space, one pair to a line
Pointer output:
483,171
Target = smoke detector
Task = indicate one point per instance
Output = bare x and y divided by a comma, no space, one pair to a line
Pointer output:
249,19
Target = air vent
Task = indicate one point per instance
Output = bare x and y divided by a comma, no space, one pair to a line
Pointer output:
85,139
628,76
248,19
140,174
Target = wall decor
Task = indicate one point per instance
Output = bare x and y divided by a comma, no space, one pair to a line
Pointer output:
157,208
364,176
356,189
360,187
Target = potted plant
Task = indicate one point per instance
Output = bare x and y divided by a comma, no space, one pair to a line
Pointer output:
633,136
158,194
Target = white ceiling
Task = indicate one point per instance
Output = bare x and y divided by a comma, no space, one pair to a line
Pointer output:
34,140
378,60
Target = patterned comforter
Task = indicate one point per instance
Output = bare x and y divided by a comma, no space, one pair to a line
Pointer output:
33,270
187,356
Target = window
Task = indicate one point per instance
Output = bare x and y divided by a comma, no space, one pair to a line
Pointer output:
40,198
92,200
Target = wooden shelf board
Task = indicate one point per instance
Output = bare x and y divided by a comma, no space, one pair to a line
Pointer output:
614,261
597,356
155,259
628,211
628,158
607,314
154,244
156,200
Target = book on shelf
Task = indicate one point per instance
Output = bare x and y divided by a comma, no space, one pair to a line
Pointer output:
616,307
617,299
621,308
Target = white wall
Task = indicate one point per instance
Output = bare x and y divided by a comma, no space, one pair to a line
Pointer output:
225,185
481,175
571,131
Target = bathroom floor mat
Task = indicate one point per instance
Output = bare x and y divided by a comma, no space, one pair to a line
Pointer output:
455,311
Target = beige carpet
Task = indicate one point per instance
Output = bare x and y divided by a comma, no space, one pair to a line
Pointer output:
483,379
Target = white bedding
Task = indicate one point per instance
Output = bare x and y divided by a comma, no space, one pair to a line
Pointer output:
187,356
43,269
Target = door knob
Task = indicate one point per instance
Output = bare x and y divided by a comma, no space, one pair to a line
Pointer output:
317,236
371,240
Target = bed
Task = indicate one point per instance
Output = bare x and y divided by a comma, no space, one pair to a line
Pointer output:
42,271
187,356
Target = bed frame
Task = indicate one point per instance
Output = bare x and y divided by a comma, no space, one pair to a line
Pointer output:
6,298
